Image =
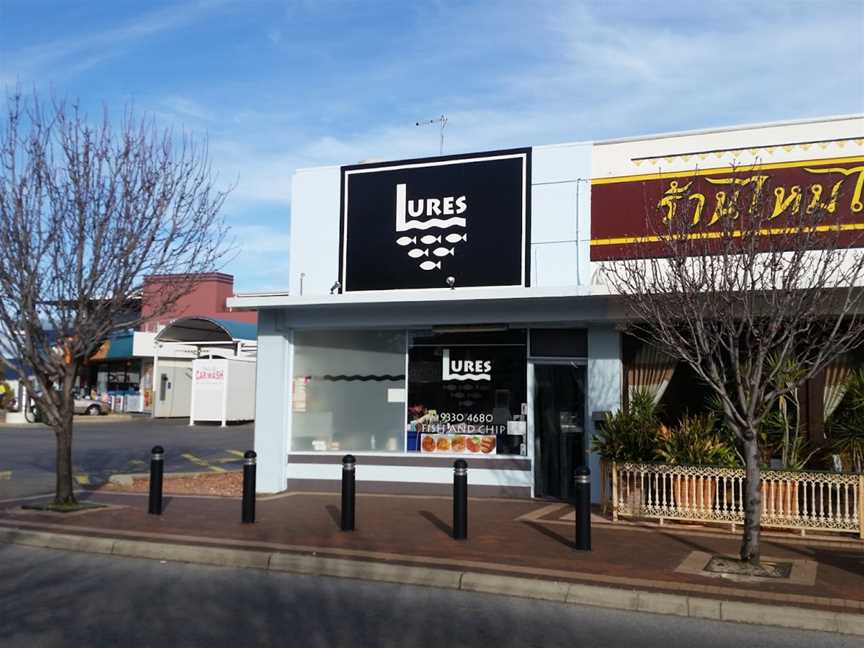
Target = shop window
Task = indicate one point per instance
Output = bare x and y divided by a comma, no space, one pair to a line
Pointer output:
348,391
467,394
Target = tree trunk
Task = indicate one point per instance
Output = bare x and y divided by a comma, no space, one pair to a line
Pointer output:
64,490
752,502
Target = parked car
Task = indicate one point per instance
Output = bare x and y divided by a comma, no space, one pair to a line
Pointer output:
90,406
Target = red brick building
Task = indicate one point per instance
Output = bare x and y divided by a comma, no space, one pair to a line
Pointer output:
207,300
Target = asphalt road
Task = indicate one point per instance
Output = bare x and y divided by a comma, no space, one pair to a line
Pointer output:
51,598
103,448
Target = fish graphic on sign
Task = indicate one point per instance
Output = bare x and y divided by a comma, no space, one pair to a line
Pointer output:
441,213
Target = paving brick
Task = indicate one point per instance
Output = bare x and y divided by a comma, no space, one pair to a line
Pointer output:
504,539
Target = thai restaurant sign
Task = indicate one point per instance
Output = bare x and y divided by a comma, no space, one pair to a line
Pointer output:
413,224
627,212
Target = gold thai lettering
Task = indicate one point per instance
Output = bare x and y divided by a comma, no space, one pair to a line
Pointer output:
740,194
855,203
673,194
671,197
721,210
782,202
700,205
816,198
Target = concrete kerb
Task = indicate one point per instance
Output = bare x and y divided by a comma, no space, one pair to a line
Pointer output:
79,418
558,591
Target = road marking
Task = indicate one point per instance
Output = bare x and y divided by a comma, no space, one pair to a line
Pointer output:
198,461
137,461
82,479
5,475
235,452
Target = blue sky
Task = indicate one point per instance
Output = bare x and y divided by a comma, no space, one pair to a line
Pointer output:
281,85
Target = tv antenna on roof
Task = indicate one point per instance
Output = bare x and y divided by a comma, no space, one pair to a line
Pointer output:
440,120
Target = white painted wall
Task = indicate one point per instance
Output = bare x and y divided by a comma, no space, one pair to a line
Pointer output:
241,391
272,403
413,474
605,380
178,392
762,144
231,398
560,231
314,230
560,214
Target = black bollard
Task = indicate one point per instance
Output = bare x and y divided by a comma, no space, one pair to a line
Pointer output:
460,499
348,492
249,469
582,501
157,466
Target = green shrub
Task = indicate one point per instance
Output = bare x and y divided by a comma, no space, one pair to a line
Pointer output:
846,426
629,434
696,441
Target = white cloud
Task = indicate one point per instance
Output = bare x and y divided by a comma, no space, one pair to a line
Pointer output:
261,239
86,50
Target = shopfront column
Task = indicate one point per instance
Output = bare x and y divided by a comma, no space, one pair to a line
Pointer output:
272,402
604,385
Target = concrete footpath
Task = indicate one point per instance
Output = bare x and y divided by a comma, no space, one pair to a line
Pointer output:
515,547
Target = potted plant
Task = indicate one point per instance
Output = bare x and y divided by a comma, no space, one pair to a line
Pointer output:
846,426
787,447
629,434
695,441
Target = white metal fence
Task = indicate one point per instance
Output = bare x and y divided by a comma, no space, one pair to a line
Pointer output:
790,500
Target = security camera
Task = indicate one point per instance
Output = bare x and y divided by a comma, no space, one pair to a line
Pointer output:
335,287
451,281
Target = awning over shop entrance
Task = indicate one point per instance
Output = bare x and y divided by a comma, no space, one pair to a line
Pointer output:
471,306
204,330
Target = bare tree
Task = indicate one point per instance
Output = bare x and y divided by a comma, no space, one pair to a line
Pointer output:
86,212
753,284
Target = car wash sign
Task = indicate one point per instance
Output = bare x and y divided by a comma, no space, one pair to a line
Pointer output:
458,221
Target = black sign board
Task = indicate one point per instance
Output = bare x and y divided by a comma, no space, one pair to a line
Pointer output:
414,224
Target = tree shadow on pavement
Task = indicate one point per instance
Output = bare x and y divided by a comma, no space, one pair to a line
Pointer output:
696,546
437,522
549,533
335,515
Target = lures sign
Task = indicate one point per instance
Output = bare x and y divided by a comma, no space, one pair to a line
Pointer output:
412,224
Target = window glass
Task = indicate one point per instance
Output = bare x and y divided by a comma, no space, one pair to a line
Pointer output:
468,395
348,391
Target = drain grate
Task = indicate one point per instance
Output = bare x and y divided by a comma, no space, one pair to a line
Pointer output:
724,565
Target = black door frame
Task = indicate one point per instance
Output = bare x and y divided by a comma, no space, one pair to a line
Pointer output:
533,432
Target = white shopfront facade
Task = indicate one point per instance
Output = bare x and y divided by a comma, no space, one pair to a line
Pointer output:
353,357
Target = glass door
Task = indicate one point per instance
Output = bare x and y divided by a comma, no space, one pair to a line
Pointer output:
559,427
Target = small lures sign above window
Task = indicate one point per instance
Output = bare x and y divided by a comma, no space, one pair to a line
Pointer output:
437,223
